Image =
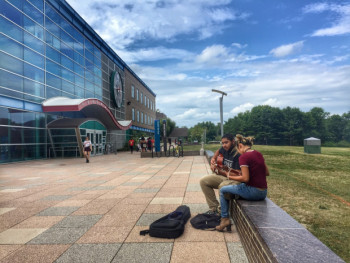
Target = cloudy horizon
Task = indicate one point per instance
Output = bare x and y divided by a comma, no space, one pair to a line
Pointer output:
289,54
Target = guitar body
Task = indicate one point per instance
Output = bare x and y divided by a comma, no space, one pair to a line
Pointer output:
221,169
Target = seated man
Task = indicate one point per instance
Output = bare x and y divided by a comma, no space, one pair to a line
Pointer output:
218,179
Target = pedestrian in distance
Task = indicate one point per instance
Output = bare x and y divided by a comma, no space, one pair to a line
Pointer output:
131,145
87,148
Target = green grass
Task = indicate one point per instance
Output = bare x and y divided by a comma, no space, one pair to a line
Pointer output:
313,188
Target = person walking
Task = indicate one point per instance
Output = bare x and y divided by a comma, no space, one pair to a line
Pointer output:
87,148
131,145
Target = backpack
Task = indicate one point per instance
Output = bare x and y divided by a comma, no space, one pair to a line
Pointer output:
171,225
205,221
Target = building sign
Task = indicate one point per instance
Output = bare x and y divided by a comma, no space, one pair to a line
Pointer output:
157,135
116,89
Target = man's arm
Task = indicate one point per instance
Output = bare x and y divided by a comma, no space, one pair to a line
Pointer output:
213,160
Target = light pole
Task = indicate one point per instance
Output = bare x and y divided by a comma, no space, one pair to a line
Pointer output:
221,114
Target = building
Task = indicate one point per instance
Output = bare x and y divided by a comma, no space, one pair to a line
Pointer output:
60,82
179,134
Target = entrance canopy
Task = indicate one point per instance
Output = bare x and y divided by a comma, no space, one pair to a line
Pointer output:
85,108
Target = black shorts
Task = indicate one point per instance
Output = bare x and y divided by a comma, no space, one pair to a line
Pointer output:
87,149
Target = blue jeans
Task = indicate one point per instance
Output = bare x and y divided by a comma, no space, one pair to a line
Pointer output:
245,191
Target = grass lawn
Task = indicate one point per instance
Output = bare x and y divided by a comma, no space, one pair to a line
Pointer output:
313,188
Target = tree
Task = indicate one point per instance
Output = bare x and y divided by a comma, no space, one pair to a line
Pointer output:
292,126
170,125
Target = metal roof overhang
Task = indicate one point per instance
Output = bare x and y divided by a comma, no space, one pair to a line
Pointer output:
85,108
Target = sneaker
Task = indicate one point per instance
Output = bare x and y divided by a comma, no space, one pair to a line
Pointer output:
87,160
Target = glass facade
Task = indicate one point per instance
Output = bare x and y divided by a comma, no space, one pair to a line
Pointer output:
47,51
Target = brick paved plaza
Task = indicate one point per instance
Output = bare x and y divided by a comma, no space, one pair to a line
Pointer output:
65,210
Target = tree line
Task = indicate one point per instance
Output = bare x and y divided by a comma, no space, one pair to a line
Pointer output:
287,126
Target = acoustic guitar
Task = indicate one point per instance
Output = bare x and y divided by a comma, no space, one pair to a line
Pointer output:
221,169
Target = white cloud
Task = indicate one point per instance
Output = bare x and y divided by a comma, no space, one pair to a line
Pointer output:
242,108
286,50
122,23
341,24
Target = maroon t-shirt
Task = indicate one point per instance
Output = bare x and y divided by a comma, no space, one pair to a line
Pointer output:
257,168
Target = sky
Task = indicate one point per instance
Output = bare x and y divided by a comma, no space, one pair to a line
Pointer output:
274,52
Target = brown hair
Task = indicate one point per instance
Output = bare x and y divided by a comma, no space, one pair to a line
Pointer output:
244,140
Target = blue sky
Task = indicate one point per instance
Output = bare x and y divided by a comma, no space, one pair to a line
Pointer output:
279,53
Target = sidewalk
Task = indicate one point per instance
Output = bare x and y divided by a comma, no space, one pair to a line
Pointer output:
66,210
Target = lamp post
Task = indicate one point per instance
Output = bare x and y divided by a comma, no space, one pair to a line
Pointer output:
221,114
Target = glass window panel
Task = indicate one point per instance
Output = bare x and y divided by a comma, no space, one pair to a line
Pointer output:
89,65
38,3
53,67
11,47
97,81
4,117
53,54
53,81
79,48
79,92
79,81
67,86
40,120
98,72
89,76
52,27
16,135
67,39
33,98
11,63
33,12
89,86
33,88
4,138
89,94
17,3
11,93
16,117
68,75
53,41
10,29
33,27
89,56
89,46
78,69
33,43
29,135
11,13
34,58
97,61
98,91
66,62
50,92
78,58
67,50
33,73
29,119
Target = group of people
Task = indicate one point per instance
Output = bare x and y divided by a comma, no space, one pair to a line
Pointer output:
143,145
242,172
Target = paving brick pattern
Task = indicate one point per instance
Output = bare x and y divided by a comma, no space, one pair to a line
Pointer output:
66,210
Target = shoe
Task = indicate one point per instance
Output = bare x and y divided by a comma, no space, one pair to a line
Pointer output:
224,223
87,160
212,212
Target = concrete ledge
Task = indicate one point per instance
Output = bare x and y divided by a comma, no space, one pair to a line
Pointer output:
269,234
149,154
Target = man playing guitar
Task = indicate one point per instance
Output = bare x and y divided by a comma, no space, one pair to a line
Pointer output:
225,158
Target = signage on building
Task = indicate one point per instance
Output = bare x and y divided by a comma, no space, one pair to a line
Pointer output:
157,135
116,89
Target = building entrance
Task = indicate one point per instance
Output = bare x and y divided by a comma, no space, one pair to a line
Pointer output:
98,140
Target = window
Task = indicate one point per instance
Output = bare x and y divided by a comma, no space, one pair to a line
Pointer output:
145,101
148,102
141,117
132,91
133,114
141,98
137,94
138,116
145,118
